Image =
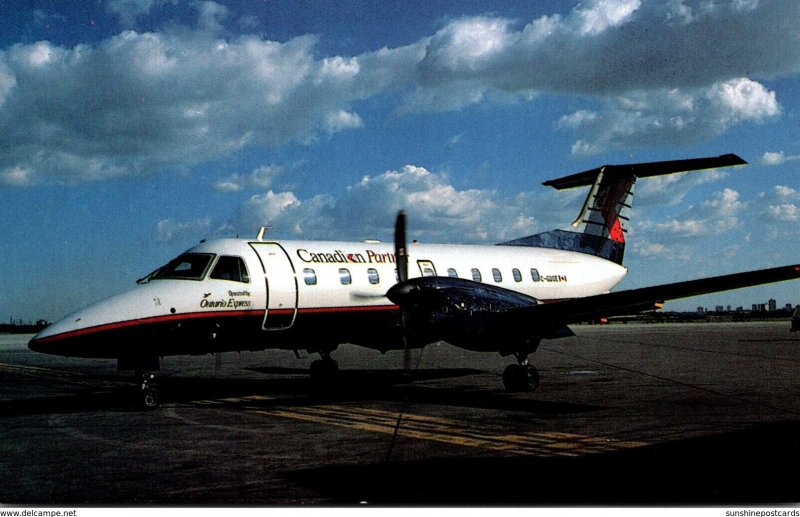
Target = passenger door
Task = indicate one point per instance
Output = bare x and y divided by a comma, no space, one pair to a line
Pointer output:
281,282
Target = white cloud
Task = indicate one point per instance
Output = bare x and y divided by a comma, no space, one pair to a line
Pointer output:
150,101
773,158
781,205
7,82
785,192
602,15
702,233
613,47
661,73
786,212
262,177
715,216
341,120
168,229
742,99
16,177
129,11
777,158
672,188
438,210
671,116
578,119
650,249
287,214
211,15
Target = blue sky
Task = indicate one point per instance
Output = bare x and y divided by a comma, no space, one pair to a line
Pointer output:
131,129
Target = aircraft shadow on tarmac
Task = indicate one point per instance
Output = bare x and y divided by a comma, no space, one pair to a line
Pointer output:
292,387
751,466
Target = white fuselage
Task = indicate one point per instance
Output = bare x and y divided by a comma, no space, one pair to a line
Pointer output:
303,294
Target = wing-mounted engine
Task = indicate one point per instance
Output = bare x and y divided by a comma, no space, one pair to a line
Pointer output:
464,313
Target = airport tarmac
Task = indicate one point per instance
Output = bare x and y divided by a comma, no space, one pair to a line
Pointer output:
695,414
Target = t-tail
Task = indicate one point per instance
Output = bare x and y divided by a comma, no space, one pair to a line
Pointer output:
603,221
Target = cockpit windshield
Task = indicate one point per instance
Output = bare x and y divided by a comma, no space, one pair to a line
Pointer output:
189,266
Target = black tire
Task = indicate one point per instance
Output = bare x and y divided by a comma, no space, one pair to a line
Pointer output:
514,378
150,398
533,378
517,378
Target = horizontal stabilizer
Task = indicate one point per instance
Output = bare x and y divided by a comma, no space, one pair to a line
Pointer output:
644,170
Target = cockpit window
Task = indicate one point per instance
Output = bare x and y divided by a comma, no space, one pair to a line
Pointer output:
230,268
189,266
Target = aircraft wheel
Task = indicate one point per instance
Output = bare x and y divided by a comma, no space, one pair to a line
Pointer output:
149,394
517,377
150,398
533,377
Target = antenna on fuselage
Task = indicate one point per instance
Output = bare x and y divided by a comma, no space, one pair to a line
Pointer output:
262,231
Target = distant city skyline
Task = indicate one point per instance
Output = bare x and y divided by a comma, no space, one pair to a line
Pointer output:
770,305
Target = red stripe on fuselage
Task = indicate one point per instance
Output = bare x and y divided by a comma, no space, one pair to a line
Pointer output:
203,315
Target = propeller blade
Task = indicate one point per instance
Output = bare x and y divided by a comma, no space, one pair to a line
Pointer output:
400,246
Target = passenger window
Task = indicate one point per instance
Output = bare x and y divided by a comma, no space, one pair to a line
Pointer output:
344,276
517,275
452,273
309,276
498,277
535,275
476,274
426,271
374,278
232,269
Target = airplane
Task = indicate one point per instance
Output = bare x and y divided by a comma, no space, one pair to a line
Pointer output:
256,294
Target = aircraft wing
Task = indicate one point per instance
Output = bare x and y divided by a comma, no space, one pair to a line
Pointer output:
462,311
634,301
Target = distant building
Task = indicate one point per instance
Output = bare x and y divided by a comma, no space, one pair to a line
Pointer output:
773,305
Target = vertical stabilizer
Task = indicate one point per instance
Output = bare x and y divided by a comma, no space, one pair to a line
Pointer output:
604,218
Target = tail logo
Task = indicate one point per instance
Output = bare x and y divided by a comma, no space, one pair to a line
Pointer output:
617,234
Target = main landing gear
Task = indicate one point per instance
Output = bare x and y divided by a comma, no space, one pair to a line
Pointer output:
521,376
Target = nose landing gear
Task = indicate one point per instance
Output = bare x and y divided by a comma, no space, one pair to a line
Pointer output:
149,394
144,368
521,376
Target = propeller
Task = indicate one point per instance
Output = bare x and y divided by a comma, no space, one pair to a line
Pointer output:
400,246
402,293
401,258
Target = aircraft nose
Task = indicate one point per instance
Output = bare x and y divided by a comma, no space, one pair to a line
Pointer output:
46,341
37,345
86,333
